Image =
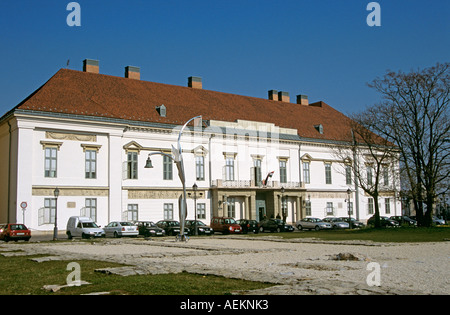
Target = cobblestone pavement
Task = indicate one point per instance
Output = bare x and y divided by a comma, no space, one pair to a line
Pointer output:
296,266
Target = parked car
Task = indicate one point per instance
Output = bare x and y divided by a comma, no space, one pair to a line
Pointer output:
248,225
121,228
149,228
437,221
355,224
336,223
225,225
312,223
384,222
171,227
274,225
202,228
403,219
83,227
14,232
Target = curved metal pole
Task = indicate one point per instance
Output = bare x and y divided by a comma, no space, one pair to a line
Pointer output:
180,165
177,157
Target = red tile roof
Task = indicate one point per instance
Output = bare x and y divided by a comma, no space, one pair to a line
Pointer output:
84,93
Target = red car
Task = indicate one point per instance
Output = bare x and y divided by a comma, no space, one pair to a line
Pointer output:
14,232
225,225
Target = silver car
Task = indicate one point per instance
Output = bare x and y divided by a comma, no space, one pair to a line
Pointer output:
337,223
312,223
121,228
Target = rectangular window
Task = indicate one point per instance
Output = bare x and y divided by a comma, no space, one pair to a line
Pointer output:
91,163
132,212
369,175
329,209
350,208
167,168
49,211
50,161
90,209
257,172
283,171
328,173
348,174
308,208
231,207
200,167
370,209
387,205
386,176
168,211
306,173
201,211
229,168
132,164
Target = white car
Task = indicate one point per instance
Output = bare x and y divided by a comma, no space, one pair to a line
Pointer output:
83,227
121,228
312,223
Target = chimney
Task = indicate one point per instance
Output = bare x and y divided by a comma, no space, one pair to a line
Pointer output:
302,100
273,95
195,82
90,65
133,72
283,96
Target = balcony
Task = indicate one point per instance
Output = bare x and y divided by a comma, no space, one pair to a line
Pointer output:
219,183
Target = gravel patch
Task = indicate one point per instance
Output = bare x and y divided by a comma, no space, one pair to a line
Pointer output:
297,267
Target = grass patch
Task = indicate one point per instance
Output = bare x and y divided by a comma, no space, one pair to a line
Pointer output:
21,276
400,235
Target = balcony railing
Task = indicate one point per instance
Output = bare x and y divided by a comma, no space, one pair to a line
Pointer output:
219,183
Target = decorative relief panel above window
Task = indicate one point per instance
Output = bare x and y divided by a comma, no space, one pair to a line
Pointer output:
70,136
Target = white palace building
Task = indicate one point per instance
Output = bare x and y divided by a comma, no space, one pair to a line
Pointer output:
89,135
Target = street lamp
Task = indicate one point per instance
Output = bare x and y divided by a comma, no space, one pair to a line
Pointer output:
349,195
282,204
55,229
177,157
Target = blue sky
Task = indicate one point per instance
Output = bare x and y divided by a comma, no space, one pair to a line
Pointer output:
322,48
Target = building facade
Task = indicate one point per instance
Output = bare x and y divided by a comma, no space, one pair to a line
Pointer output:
89,135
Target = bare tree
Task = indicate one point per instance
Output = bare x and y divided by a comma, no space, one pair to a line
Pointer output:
414,115
372,159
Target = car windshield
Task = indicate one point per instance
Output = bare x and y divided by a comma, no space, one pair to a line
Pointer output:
230,221
278,221
173,223
126,224
89,225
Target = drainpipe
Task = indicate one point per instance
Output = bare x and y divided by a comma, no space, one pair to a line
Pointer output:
9,173
356,179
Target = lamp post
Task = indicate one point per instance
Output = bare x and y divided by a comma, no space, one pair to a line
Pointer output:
283,210
177,157
349,194
55,229
195,207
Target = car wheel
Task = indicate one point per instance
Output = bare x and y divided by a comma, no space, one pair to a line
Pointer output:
69,235
261,229
299,227
278,230
317,228
116,235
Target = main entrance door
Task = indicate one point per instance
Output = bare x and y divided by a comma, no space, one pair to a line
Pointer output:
260,206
